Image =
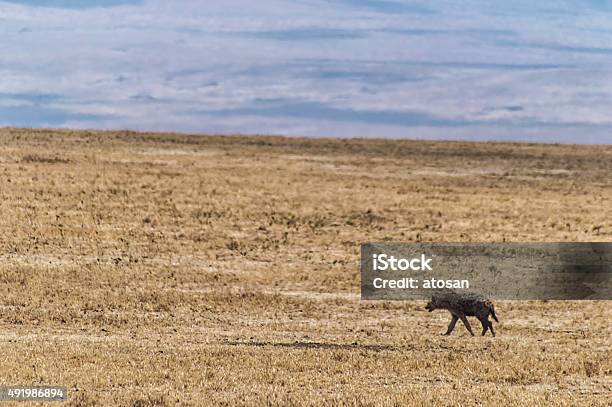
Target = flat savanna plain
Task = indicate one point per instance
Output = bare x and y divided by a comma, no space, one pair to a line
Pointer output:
150,269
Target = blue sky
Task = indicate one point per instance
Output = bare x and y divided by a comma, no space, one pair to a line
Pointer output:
470,69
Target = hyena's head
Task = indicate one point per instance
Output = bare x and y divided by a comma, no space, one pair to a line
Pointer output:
433,304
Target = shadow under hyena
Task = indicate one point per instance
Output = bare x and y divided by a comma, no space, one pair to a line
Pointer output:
462,305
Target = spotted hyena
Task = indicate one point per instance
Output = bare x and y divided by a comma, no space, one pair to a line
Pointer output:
463,305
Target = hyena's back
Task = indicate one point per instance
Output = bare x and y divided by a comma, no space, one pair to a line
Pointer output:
470,304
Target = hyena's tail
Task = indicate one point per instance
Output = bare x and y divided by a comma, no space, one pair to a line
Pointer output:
492,312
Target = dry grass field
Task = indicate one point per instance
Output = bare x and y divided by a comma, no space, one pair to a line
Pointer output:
148,269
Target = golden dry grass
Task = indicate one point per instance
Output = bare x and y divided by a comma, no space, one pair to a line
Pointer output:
148,269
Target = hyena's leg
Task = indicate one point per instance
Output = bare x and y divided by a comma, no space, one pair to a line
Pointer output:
491,328
467,324
485,325
451,326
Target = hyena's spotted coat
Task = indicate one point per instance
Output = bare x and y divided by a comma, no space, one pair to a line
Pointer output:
462,305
